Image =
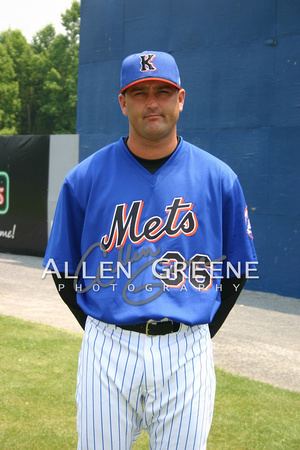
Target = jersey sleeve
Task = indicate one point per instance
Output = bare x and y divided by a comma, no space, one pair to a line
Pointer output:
64,245
238,245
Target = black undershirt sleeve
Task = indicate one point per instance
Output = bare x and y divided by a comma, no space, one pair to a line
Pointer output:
231,289
68,295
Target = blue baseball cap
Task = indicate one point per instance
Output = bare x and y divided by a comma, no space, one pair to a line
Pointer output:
149,65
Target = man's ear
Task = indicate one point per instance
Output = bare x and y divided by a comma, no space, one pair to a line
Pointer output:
122,103
181,98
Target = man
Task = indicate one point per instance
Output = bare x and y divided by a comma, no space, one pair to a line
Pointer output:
148,226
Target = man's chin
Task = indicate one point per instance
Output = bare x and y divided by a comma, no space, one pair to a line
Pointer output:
156,135
156,130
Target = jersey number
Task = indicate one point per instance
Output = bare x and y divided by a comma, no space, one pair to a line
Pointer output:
173,268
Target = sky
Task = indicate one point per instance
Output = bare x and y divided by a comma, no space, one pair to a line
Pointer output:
30,16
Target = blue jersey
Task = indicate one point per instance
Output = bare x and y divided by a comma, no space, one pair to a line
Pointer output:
150,246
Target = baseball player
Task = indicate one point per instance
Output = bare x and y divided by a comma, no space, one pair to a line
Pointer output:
156,234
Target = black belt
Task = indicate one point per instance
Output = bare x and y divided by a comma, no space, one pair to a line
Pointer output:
153,327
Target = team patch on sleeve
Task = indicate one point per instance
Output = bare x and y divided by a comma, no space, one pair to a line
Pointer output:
248,224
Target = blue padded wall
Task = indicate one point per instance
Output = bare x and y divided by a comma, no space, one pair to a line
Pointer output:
240,64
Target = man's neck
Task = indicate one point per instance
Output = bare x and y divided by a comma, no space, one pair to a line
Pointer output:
151,149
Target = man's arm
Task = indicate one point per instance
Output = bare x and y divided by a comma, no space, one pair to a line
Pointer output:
229,295
68,295
231,289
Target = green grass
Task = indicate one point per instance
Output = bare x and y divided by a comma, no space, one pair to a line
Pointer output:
254,416
37,404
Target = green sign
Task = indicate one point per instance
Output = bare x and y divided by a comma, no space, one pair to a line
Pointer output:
4,192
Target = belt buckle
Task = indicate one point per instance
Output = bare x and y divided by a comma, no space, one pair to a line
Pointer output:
151,321
148,323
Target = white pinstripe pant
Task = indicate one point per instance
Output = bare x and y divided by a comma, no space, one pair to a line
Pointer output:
128,381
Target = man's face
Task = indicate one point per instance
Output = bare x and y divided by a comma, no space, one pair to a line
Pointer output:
152,108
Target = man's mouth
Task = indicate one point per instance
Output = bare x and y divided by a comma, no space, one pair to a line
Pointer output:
147,116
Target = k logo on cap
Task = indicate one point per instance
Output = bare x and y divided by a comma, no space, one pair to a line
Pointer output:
147,63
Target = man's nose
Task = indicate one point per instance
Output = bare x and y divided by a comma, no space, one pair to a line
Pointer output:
151,100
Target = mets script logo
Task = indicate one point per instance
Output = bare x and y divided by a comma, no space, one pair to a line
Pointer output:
147,63
180,220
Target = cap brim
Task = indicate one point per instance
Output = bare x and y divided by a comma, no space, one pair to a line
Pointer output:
142,80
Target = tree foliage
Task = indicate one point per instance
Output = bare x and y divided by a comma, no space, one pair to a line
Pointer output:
38,80
9,94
